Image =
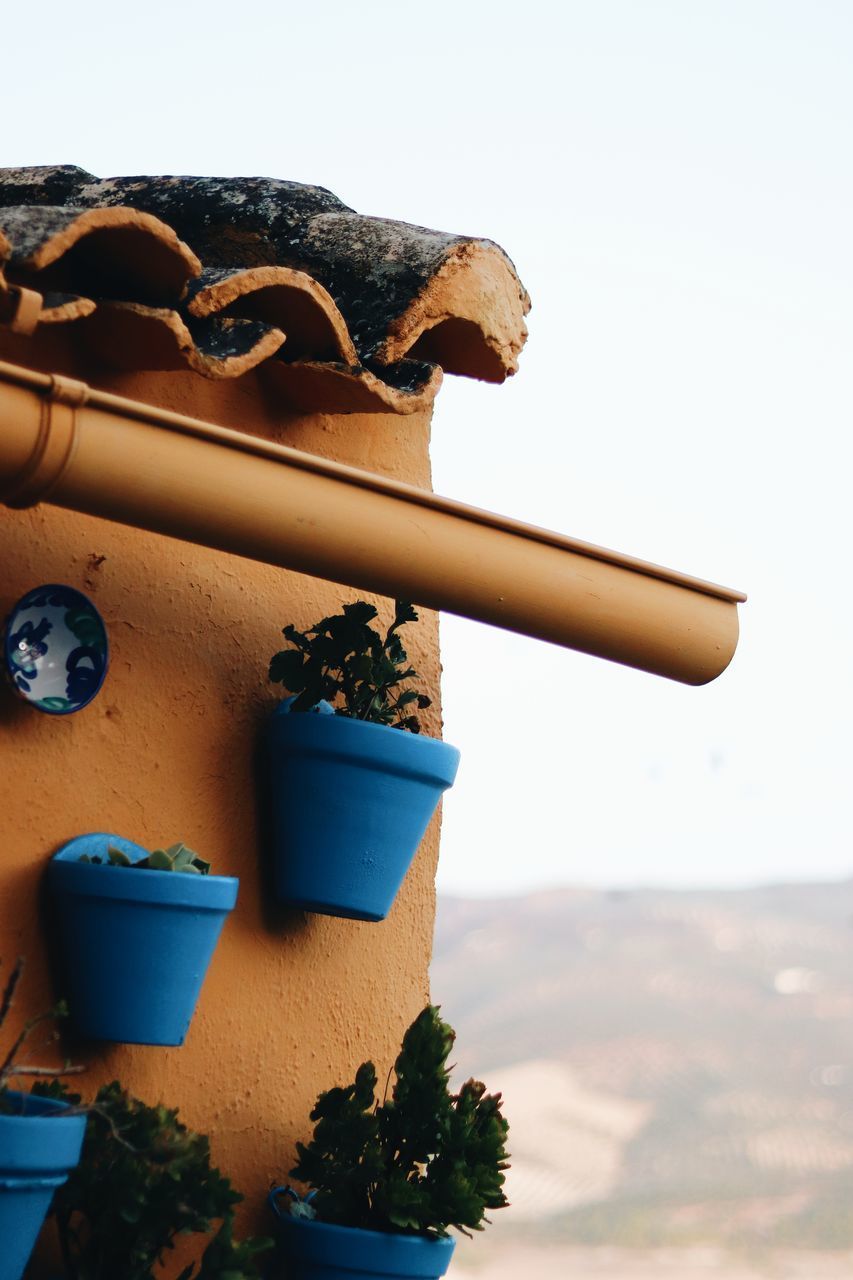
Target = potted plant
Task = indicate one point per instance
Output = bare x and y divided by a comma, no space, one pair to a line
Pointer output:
40,1142
354,783
143,1180
137,931
389,1179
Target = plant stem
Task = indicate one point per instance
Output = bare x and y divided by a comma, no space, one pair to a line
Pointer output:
20,1069
9,992
9,1066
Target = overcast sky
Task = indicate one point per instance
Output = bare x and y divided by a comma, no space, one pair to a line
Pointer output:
673,181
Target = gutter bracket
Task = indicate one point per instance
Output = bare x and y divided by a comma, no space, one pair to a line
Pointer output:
22,308
55,445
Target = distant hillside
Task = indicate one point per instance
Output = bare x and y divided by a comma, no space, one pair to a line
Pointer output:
677,1066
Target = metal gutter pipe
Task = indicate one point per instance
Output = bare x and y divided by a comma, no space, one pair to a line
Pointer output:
64,442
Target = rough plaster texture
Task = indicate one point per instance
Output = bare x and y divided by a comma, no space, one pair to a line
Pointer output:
292,1002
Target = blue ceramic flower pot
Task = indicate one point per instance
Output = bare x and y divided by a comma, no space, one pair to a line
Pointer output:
136,944
320,1251
38,1148
351,801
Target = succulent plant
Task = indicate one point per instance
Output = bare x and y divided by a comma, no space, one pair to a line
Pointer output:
419,1162
361,672
178,857
144,1179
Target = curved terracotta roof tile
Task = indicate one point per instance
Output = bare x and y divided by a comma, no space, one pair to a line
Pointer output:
393,281
328,387
469,317
41,184
5,250
130,335
121,237
370,306
59,308
107,250
282,296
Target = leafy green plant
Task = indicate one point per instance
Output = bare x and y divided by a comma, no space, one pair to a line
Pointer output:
143,1180
346,662
12,1065
421,1161
178,857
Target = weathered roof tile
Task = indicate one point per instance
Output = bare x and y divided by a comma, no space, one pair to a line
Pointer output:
349,312
130,335
111,252
59,308
291,299
330,387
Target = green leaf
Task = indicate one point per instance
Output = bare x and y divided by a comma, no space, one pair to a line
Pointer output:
182,857
385,672
160,860
359,612
287,668
117,858
404,612
297,638
178,857
346,662
421,1161
56,1089
362,666
144,1180
406,1203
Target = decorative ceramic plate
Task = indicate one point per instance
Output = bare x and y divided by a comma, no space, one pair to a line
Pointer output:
56,649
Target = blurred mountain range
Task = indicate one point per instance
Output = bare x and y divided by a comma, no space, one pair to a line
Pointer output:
677,1067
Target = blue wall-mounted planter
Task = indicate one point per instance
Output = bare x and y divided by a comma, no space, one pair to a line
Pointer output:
38,1148
135,944
351,801
320,1251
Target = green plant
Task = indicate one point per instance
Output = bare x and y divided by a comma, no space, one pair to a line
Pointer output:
144,1179
178,857
421,1161
344,661
11,1065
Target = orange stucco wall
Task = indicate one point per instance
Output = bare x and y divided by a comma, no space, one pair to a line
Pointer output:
168,750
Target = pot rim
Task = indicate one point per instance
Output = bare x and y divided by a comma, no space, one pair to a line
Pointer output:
282,710
363,742
67,875
413,1256
39,1142
37,1108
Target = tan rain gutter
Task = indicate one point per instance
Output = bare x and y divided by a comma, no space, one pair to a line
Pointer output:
64,442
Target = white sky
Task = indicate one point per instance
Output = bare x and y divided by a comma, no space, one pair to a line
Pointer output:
673,180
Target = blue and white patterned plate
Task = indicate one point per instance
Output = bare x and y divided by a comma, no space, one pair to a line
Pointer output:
56,649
